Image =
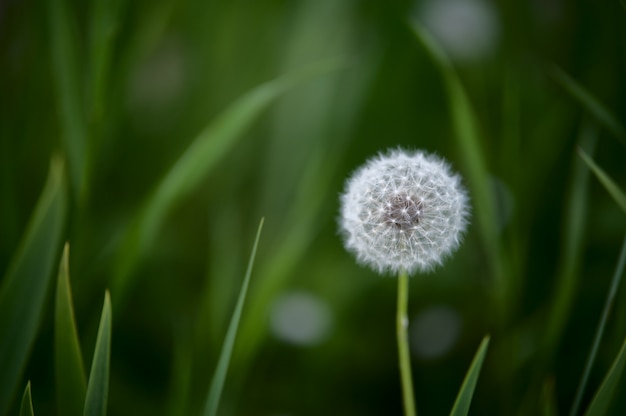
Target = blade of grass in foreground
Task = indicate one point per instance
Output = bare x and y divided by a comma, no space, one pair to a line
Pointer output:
464,399
602,400
468,140
606,181
300,224
26,409
196,162
589,102
26,282
608,306
217,384
69,371
98,387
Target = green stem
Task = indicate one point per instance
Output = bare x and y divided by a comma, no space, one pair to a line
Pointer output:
402,323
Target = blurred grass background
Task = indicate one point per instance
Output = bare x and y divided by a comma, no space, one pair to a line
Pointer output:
122,89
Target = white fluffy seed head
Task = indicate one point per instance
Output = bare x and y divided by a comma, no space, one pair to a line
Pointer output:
403,211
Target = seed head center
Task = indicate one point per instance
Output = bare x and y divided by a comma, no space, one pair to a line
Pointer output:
403,211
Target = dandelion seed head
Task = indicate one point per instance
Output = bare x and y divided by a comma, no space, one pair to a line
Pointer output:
403,211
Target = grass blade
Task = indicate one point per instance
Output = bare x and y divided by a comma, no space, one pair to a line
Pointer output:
103,31
196,162
217,384
26,282
69,370
602,400
26,409
608,306
67,78
596,109
182,366
301,223
606,181
98,387
572,241
464,399
548,399
468,139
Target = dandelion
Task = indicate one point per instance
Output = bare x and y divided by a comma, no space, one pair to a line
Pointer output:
403,211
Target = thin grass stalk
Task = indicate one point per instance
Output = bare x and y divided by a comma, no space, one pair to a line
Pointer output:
402,323
617,277
219,377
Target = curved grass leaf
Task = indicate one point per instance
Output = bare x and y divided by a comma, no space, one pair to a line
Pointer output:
69,370
464,399
602,400
98,387
606,181
68,87
196,162
589,102
468,140
608,306
217,384
26,409
26,282
300,224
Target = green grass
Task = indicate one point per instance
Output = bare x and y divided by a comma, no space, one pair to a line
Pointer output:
603,396
23,290
26,409
68,82
468,140
216,139
464,398
219,376
71,383
606,181
97,395
590,103
601,403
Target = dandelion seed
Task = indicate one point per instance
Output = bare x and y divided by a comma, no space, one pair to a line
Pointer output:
403,211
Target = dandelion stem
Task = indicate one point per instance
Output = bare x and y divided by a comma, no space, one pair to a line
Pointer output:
402,323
